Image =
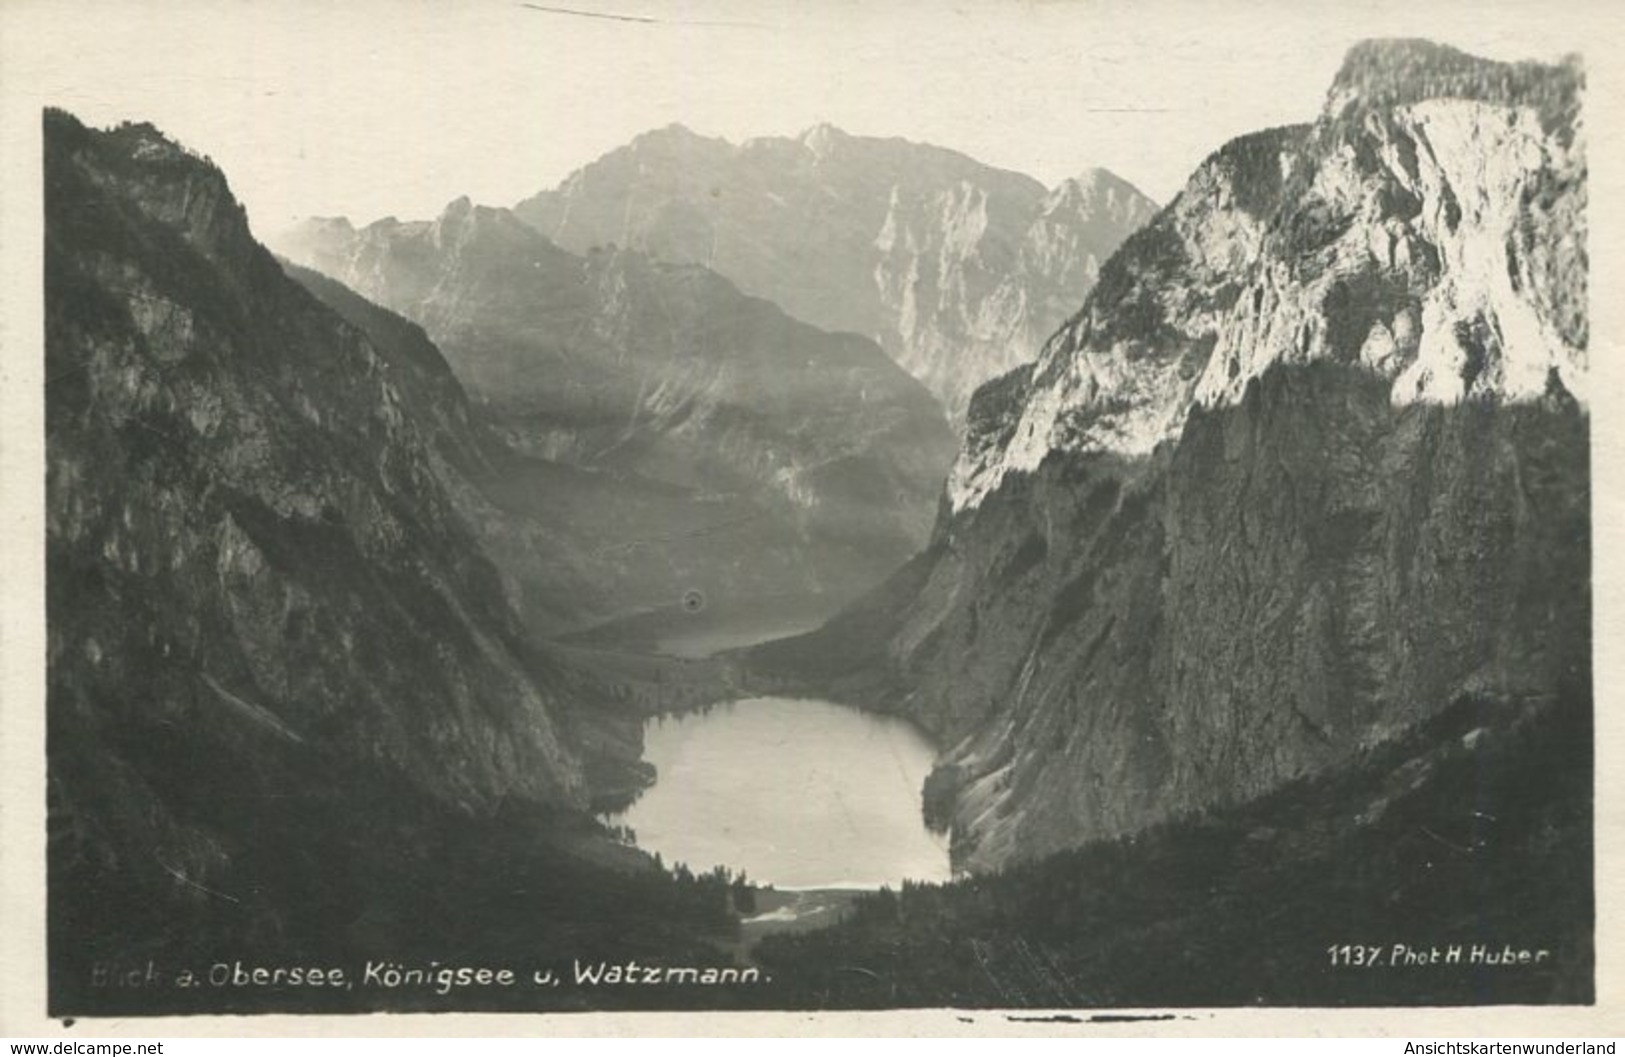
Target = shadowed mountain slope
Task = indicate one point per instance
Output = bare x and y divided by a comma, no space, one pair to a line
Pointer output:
713,444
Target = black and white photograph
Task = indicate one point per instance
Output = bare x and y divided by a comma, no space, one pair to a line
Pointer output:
624,506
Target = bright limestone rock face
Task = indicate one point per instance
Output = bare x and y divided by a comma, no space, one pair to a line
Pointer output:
1438,242
957,269
1309,465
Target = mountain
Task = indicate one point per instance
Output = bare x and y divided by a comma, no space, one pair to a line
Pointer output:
693,441
957,269
1309,466
552,528
290,712
245,524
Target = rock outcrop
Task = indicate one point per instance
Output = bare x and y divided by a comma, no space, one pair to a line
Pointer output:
959,270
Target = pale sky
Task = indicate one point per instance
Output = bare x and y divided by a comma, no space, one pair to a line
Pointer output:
371,109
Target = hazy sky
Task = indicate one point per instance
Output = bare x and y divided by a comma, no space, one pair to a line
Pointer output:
370,109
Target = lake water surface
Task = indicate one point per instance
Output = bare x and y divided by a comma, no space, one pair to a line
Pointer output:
697,639
796,793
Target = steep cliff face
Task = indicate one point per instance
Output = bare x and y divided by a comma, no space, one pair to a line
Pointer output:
259,588
710,442
969,302
957,269
1309,464
542,552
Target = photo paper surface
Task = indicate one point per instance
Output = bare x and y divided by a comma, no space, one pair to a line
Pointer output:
762,509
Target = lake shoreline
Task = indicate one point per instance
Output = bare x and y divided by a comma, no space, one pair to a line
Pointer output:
733,778
666,686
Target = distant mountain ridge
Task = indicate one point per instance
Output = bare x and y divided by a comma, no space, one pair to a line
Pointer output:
957,269
734,451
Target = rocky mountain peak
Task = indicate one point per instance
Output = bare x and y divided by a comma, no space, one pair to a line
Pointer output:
674,132
957,269
1382,64
461,219
675,140
1098,189
1400,71
823,139
455,222
172,185
337,225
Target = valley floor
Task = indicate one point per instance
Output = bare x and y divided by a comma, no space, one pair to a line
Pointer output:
1471,833
1445,854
